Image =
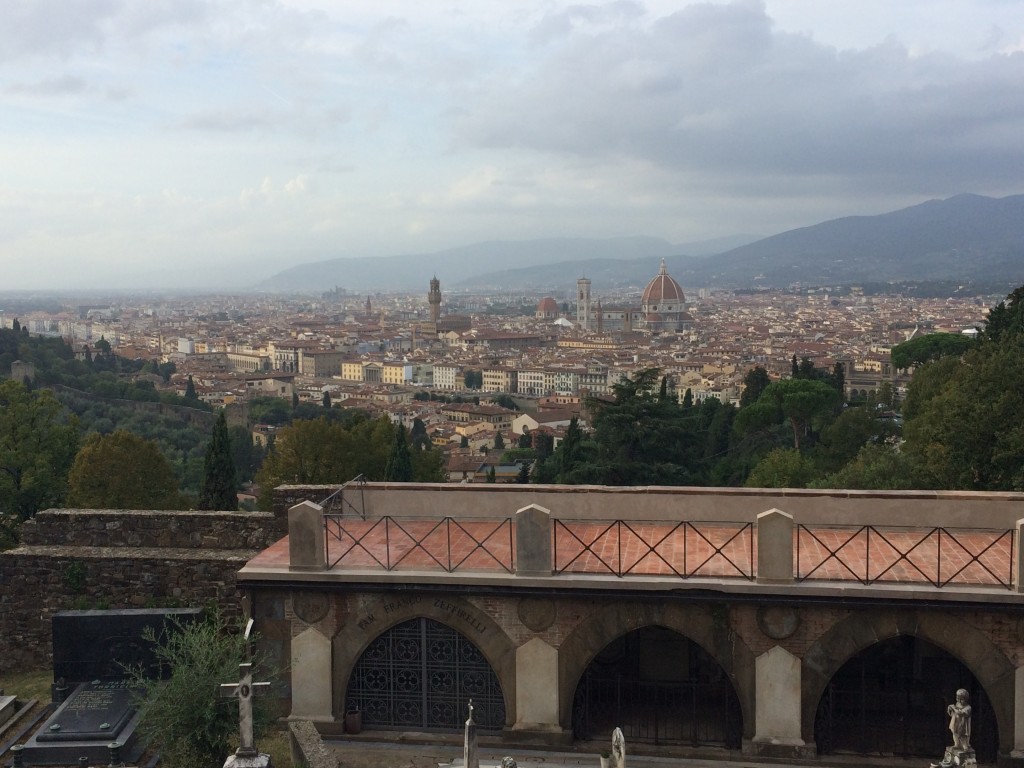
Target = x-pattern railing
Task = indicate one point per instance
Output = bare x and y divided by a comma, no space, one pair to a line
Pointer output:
938,556
420,543
633,548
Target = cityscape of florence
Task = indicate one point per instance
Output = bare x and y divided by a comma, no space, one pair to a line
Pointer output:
512,383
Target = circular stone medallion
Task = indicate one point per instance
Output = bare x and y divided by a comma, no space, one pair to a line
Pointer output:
536,614
310,607
777,622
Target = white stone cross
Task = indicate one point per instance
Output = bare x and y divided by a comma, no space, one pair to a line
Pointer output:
244,690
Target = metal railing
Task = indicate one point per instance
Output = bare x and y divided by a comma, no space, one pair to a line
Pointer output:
420,543
356,484
624,548
939,556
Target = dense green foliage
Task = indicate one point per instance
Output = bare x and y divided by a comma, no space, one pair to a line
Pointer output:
930,347
323,451
38,441
122,471
185,717
220,482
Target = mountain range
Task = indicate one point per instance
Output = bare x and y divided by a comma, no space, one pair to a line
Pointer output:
961,238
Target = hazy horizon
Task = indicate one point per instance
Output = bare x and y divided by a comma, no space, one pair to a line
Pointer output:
194,144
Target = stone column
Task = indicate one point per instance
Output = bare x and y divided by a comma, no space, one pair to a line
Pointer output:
777,704
1019,565
1018,713
774,547
306,539
312,676
533,541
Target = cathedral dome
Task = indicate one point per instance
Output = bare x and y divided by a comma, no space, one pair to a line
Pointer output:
548,306
661,291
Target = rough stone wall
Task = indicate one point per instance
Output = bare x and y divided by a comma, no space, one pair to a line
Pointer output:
146,528
79,559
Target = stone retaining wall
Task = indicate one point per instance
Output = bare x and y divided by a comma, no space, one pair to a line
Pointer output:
81,559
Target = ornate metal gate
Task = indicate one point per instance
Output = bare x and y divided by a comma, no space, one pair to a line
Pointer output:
421,674
891,700
692,702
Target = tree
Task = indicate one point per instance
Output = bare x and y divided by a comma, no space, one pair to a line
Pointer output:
782,468
220,483
321,451
122,471
924,349
16,325
184,716
879,467
802,402
463,442
326,401
190,389
492,475
399,468
754,383
499,441
38,441
1006,319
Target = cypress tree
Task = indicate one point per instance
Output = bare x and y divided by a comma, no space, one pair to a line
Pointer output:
219,489
190,389
399,467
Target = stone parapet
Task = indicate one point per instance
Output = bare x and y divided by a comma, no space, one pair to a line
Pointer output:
151,528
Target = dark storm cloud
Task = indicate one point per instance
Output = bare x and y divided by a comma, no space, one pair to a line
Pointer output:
715,91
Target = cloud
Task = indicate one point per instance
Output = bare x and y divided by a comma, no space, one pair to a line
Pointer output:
715,92
57,86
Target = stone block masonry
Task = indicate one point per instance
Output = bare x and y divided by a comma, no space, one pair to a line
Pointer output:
77,559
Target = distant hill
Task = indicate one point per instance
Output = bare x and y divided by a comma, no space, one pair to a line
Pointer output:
961,238
965,237
463,266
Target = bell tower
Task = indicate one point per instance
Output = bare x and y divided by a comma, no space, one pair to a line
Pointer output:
434,298
583,303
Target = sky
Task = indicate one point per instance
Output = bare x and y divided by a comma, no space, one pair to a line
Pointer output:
211,143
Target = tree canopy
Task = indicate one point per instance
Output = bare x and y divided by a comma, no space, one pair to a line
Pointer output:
932,346
122,471
38,441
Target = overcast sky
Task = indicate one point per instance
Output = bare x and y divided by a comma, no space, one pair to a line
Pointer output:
172,141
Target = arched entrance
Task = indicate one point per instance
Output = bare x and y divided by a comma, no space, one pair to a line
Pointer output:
659,687
421,674
891,698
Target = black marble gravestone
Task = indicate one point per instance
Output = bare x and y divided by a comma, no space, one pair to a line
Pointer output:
92,652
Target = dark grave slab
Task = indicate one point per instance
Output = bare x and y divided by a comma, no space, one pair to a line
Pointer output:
97,645
93,715
92,651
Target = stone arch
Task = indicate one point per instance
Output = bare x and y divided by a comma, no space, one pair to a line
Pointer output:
707,625
862,629
386,612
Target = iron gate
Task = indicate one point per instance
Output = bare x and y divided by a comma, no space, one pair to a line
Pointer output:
421,674
891,700
701,709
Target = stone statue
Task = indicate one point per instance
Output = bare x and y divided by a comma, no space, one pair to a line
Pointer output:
960,755
618,749
508,762
960,720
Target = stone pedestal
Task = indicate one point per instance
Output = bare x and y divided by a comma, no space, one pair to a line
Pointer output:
957,758
248,761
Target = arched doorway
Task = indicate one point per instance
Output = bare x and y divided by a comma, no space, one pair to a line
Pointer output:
422,674
891,698
659,687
